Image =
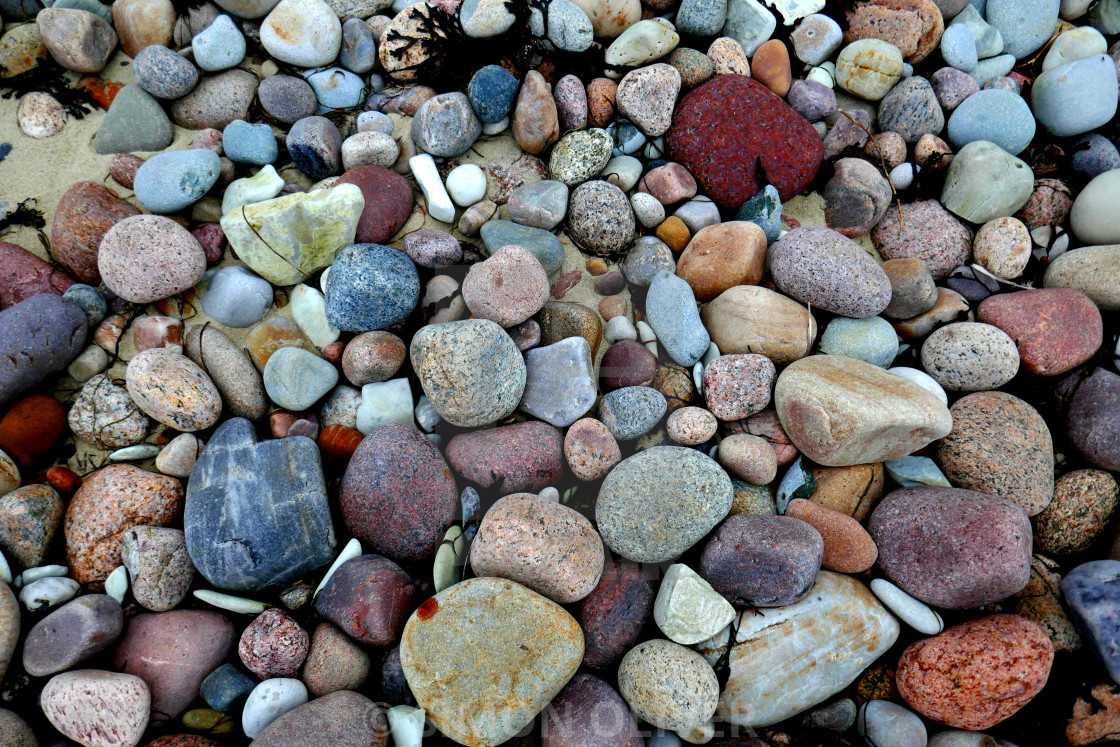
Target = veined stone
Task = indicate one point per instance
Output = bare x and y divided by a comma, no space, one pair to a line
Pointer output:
794,657
688,610
288,238
840,411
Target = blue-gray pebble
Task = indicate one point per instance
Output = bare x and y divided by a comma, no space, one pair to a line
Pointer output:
632,411
492,91
958,47
1092,592
237,297
39,336
90,300
1093,154
765,211
219,46
370,287
1024,24
1074,98
701,17
163,73
225,686
1002,117
541,244
359,50
315,145
336,88
671,313
135,122
169,182
871,340
249,143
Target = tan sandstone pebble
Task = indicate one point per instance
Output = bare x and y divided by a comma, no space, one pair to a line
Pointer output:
753,319
750,458
978,673
668,685
728,57
110,502
158,564
1003,246
549,548
888,147
853,491
173,389
691,426
272,333
933,153
40,115
913,291
949,307
93,707
372,357
771,66
970,357
231,370
590,449
535,122
848,548
612,306
1084,501
722,256
600,101
334,662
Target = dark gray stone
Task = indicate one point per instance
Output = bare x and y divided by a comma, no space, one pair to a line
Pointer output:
39,337
256,514
315,144
225,686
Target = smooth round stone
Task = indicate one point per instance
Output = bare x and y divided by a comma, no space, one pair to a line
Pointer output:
158,565
169,182
886,724
986,182
430,247
1090,593
334,662
542,204
1076,97
963,677
286,98
926,231
88,704
1024,25
89,299
1084,500
958,47
77,40
820,266
658,503
970,357
371,287
369,149
752,319
509,623
231,370
648,258
273,645
16,731
48,592
722,256
626,364
446,125
600,220
315,145
1093,270
359,48
249,143
868,68
171,389
72,634
513,458
1091,218
1094,154
632,411
911,109
646,96
951,548
580,156
590,449
219,46
691,426
1003,246
471,371
492,91
163,73
148,258
544,246
613,615
871,340
672,314
304,33
29,517
237,297
216,101
737,386
466,184
1054,329
998,116
750,458
952,87
908,609
372,357
269,701
336,88
507,288
647,209
1074,44
999,445
668,685
763,561
1091,420
296,379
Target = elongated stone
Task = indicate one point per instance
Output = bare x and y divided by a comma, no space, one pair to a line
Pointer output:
39,337
794,657
840,411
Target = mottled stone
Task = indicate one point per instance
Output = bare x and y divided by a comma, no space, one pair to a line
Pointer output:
1090,590
1084,501
970,357
25,275
668,685
848,548
158,566
172,389
513,458
29,517
97,708
762,561
230,368
820,266
342,719
924,231
105,415
1054,329
589,713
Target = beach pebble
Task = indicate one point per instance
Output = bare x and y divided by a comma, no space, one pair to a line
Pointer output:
269,701
237,297
590,449
158,566
691,426
820,266
1089,218
1090,592
29,517
286,98
466,184
72,634
507,288
371,287
334,662
871,340
77,40
1054,329
600,220
94,707
148,258
908,609
48,592
737,386
986,182
631,411
541,205
296,379
169,182
305,33
1083,502
580,156
668,685
753,319
219,46
40,115
560,381
216,101
733,563
173,390
273,645
230,368
975,118
970,357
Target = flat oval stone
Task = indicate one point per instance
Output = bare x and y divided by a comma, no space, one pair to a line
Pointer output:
256,514
820,266
848,548
147,258
884,416
732,126
72,634
753,319
986,182
797,656
231,370
998,116
471,371
513,458
658,503
95,707
542,545
671,312
39,337
970,357
762,561
398,495
955,549
978,673
668,685
508,287
615,612
1093,270
449,665
999,445
368,597
173,390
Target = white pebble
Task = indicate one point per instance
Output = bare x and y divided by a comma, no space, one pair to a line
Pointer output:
493,128
352,550
647,209
447,568
32,575
116,585
427,176
90,362
822,76
261,186
426,415
229,602
40,115
902,175
48,592
623,172
922,379
269,701
5,570
912,612
375,122
385,402
407,725
136,453
309,309
645,333
466,184
550,494
323,280
620,328
369,149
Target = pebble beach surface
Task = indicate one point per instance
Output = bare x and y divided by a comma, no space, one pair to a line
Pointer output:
573,373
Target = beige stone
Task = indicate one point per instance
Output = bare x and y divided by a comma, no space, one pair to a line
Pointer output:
1093,270
753,319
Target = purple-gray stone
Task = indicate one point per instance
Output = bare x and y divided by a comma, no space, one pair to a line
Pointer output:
72,634
39,336
1092,592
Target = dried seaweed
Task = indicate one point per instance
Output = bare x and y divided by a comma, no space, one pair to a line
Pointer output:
48,77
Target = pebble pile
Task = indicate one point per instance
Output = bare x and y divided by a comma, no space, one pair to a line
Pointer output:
561,373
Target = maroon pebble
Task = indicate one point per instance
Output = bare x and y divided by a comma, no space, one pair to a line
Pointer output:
613,614
273,645
388,202
523,457
589,713
123,169
213,241
84,215
571,103
610,284
369,597
762,561
626,363
23,275
1055,329
1093,415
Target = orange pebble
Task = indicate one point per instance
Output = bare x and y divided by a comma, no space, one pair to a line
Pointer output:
63,479
597,266
339,441
770,67
674,233
848,548
31,428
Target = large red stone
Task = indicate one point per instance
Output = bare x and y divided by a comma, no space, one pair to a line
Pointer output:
733,131
85,214
519,458
23,275
388,202
613,614
1055,329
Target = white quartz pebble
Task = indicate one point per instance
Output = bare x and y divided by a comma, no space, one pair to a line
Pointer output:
916,614
116,585
439,202
385,402
48,592
352,550
407,725
466,184
229,602
922,379
269,701
309,309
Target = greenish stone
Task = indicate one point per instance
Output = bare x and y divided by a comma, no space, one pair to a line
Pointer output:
135,122
688,610
286,239
986,182
872,340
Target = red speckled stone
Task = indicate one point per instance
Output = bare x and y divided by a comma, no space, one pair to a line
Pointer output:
23,275
369,597
523,457
725,127
978,673
1055,329
273,645
388,202
398,495
613,614
84,215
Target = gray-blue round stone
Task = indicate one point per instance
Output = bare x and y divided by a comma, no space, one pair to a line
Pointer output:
765,211
491,93
163,73
632,411
295,379
871,340
224,686
237,297
701,17
1093,154
541,244
999,116
249,143
359,50
1025,25
336,88
169,182
672,314
958,47
370,287
219,46
90,300
1074,98
446,125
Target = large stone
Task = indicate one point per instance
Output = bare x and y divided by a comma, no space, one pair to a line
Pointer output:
256,514
450,663
512,458
840,411
288,238
92,707
72,634
753,319
986,182
794,657
1093,596
339,719
39,337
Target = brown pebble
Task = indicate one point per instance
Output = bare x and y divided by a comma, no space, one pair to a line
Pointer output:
750,458
771,66
848,548
612,306
600,102
674,233
590,449
597,266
